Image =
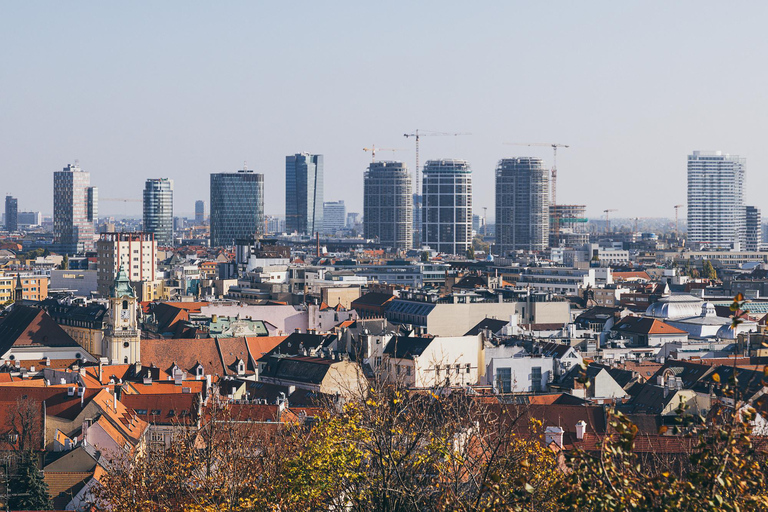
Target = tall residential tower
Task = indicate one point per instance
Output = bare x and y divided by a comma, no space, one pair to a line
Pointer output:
716,213
158,210
237,206
388,205
75,210
304,193
522,205
447,206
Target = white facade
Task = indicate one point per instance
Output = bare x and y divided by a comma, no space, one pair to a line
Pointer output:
334,217
559,280
716,214
524,374
446,361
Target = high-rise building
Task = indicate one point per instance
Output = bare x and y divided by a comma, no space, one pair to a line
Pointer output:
572,224
753,229
237,206
199,212
11,213
388,205
158,210
522,205
716,214
447,206
29,219
136,253
75,210
334,216
304,193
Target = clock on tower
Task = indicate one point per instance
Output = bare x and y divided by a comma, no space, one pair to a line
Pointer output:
122,338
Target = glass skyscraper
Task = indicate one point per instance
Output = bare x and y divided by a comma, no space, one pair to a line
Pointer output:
75,210
388,205
334,217
237,206
716,213
199,212
522,205
304,193
11,213
158,210
447,206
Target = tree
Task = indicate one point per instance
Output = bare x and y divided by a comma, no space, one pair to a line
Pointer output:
425,256
708,271
64,263
471,253
28,489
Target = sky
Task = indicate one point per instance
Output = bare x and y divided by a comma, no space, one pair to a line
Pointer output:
138,90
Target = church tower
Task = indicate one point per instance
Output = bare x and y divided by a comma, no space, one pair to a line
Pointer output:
122,338
18,292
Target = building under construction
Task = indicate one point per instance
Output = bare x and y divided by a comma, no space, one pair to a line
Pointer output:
447,206
388,205
522,205
572,222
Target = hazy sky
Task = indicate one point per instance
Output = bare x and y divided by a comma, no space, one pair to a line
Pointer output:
181,89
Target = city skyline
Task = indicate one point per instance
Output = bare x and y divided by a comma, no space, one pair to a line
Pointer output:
602,99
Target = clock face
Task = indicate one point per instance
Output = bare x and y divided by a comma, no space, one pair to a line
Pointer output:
125,314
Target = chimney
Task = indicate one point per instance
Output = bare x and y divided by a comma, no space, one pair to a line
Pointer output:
114,400
581,429
660,380
178,376
554,435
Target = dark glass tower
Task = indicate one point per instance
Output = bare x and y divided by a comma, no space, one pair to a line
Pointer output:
304,193
158,210
237,206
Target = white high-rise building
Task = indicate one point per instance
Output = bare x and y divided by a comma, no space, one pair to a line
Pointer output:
334,216
716,213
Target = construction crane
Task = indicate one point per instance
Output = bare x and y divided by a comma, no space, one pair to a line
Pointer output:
554,146
677,225
120,199
607,219
373,149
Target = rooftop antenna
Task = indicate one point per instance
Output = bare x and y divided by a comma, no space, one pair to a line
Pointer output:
245,165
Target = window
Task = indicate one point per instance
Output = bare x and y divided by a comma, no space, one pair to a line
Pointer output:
125,304
536,378
408,371
155,412
469,367
504,380
378,361
141,411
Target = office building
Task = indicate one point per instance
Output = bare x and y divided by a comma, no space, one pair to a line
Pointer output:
29,219
753,229
237,206
199,212
716,213
136,253
387,205
447,206
158,210
11,213
334,217
522,205
304,193
572,225
75,210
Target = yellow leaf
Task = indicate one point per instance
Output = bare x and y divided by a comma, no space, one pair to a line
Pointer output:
716,377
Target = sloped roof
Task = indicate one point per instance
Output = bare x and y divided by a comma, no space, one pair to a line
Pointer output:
295,342
233,350
121,417
492,324
372,299
406,347
63,487
259,346
311,370
164,409
27,326
643,325
184,352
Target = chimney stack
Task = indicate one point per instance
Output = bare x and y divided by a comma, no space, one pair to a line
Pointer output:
581,429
